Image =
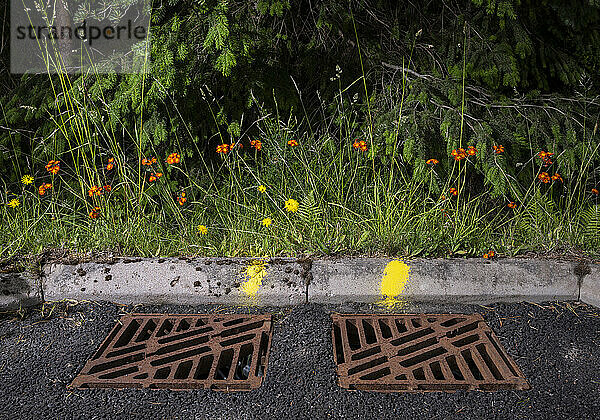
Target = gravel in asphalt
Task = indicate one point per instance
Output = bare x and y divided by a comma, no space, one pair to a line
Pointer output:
556,345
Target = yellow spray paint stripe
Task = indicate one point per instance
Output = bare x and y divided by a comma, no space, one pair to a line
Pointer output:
254,275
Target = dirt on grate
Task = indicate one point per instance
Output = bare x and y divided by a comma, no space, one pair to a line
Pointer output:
415,353
167,351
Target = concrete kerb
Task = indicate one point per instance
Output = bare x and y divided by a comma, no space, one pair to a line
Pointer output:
590,286
184,281
19,290
288,281
443,280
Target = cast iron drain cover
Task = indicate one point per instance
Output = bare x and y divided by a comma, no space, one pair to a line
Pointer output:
222,352
421,353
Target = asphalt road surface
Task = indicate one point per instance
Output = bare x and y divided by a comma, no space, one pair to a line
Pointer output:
556,345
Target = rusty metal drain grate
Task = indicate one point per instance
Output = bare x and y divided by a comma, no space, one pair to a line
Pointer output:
221,352
413,353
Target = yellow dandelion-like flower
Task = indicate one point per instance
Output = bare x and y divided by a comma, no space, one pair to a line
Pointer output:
292,205
262,188
27,180
267,221
202,230
13,203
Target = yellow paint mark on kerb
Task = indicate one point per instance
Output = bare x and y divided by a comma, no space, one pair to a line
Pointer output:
393,284
254,275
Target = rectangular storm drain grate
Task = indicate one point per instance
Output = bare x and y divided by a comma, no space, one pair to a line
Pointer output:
221,352
413,353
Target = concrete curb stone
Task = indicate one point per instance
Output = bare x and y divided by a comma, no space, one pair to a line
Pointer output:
173,280
590,287
19,290
443,280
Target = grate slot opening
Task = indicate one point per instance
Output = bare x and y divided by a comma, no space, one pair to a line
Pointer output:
242,329
413,336
436,369
183,370
423,357
401,377
188,334
462,330
121,352
352,333
370,336
181,345
179,356
183,325
465,341
419,374
132,358
337,342
200,322
378,374
452,322
419,346
370,364
234,322
107,341
147,331
128,334
451,360
162,373
119,373
244,363
466,354
224,364
502,354
400,326
237,340
204,365
416,322
165,328
488,361
262,352
386,331
366,353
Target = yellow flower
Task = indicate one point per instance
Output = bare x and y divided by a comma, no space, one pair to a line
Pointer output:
292,205
262,188
202,230
27,179
14,203
267,221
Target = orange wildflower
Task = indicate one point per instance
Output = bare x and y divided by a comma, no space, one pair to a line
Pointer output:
512,205
154,176
223,148
148,162
257,144
95,191
545,157
293,142
472,151
557,177
453,191
459,154
544,177
42,189
360,145
182,199
53,166
95,213
111,164
173,158
595,191
107,188
489,255
498,149
432,162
